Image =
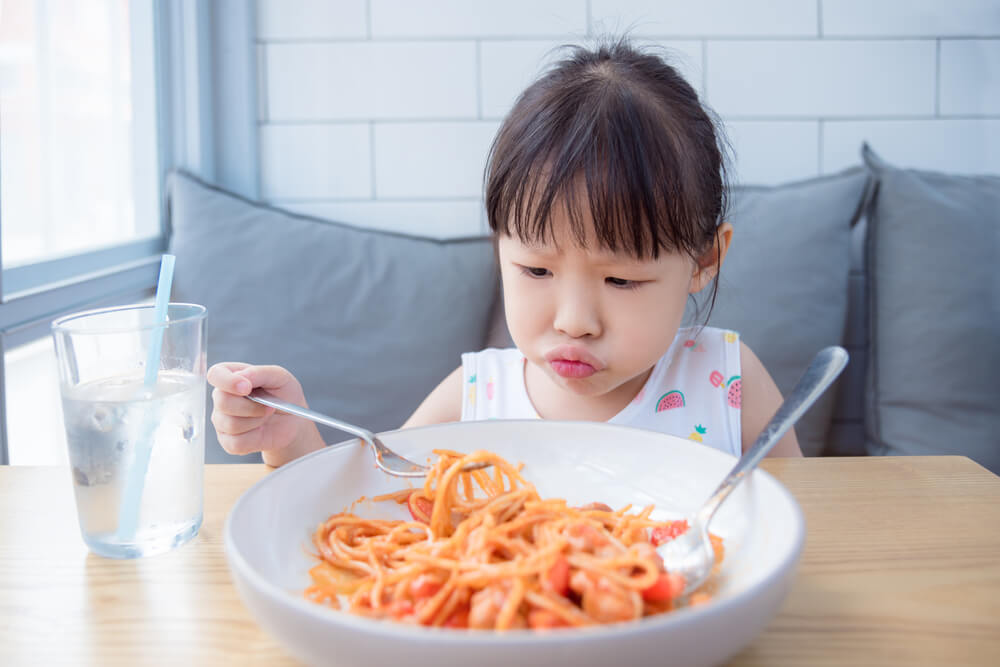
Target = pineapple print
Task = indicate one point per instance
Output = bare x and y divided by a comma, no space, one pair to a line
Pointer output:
696,434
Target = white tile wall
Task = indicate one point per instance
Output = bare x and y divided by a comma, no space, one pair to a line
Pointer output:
910,18
381,112
315,161
701,18
822,78
435,219
479,18
364,80
773,152
431,160
960,146
311,19
970,77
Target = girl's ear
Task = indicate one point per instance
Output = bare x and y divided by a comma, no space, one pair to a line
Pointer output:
708,264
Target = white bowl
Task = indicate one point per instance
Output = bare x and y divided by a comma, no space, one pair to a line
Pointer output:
270,528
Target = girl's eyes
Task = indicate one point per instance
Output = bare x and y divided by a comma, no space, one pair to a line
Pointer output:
534,271
622,283
618,283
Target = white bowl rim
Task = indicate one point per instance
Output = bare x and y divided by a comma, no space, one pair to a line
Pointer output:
404,631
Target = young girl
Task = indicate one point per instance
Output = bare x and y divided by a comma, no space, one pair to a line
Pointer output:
605,192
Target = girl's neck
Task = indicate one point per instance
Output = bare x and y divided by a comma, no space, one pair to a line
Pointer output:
554,402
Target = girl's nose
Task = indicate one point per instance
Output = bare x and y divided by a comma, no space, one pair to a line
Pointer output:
577,315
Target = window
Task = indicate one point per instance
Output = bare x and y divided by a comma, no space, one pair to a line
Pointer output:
79,189
98,99
71,151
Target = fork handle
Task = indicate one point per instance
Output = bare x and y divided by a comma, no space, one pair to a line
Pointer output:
824,369
270,400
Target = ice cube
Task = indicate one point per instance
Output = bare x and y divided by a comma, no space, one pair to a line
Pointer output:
80,477
102,419
188,429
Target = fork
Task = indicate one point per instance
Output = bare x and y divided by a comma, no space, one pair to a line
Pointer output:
387,460
690,554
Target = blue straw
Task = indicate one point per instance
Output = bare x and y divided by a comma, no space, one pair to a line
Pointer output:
128,511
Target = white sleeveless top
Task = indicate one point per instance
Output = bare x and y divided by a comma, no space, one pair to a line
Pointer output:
693,391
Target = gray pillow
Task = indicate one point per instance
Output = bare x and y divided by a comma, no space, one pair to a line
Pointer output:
783,285
368,321
933,383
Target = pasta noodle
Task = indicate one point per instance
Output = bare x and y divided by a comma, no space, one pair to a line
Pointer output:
485,551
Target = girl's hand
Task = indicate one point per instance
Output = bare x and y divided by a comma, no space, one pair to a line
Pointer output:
244,426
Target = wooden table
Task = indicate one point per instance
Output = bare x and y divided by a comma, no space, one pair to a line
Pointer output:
901,566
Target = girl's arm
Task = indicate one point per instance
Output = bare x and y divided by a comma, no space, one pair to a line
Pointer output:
444,404
761,399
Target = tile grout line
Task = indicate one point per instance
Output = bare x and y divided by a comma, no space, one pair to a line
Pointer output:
743,118
704,69
937,78
479,80
819,147
672,37
371,153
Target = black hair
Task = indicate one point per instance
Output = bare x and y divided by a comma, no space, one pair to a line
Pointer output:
617,131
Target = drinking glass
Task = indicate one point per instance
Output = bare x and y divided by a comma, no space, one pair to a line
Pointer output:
136,440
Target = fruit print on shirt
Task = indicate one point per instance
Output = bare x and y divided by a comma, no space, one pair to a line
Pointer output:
735,394
670,400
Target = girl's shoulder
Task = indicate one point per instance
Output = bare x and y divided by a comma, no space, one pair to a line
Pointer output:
703,354
704,338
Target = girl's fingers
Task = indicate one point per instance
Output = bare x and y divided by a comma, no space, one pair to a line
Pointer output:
229,425
240,444
237,406
224,377
268,377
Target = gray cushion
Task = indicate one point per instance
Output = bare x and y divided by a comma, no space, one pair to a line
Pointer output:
933,383
368,321
784,283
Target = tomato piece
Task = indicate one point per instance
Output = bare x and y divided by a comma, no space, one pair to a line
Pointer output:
668,531
557,578
424,586
420,508
666,587
541,619
458,619
400,608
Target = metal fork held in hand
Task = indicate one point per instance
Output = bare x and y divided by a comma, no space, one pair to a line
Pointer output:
387,460
690,554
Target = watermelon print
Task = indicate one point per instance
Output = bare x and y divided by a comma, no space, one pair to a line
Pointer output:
670,400
735,395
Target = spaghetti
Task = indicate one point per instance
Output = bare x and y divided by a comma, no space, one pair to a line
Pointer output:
485,551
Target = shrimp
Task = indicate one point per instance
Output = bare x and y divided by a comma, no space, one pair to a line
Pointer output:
605,601
585,537
485,606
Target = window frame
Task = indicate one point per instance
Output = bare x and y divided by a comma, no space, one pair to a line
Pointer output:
205,79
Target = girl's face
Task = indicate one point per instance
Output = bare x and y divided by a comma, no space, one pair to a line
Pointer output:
591,323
